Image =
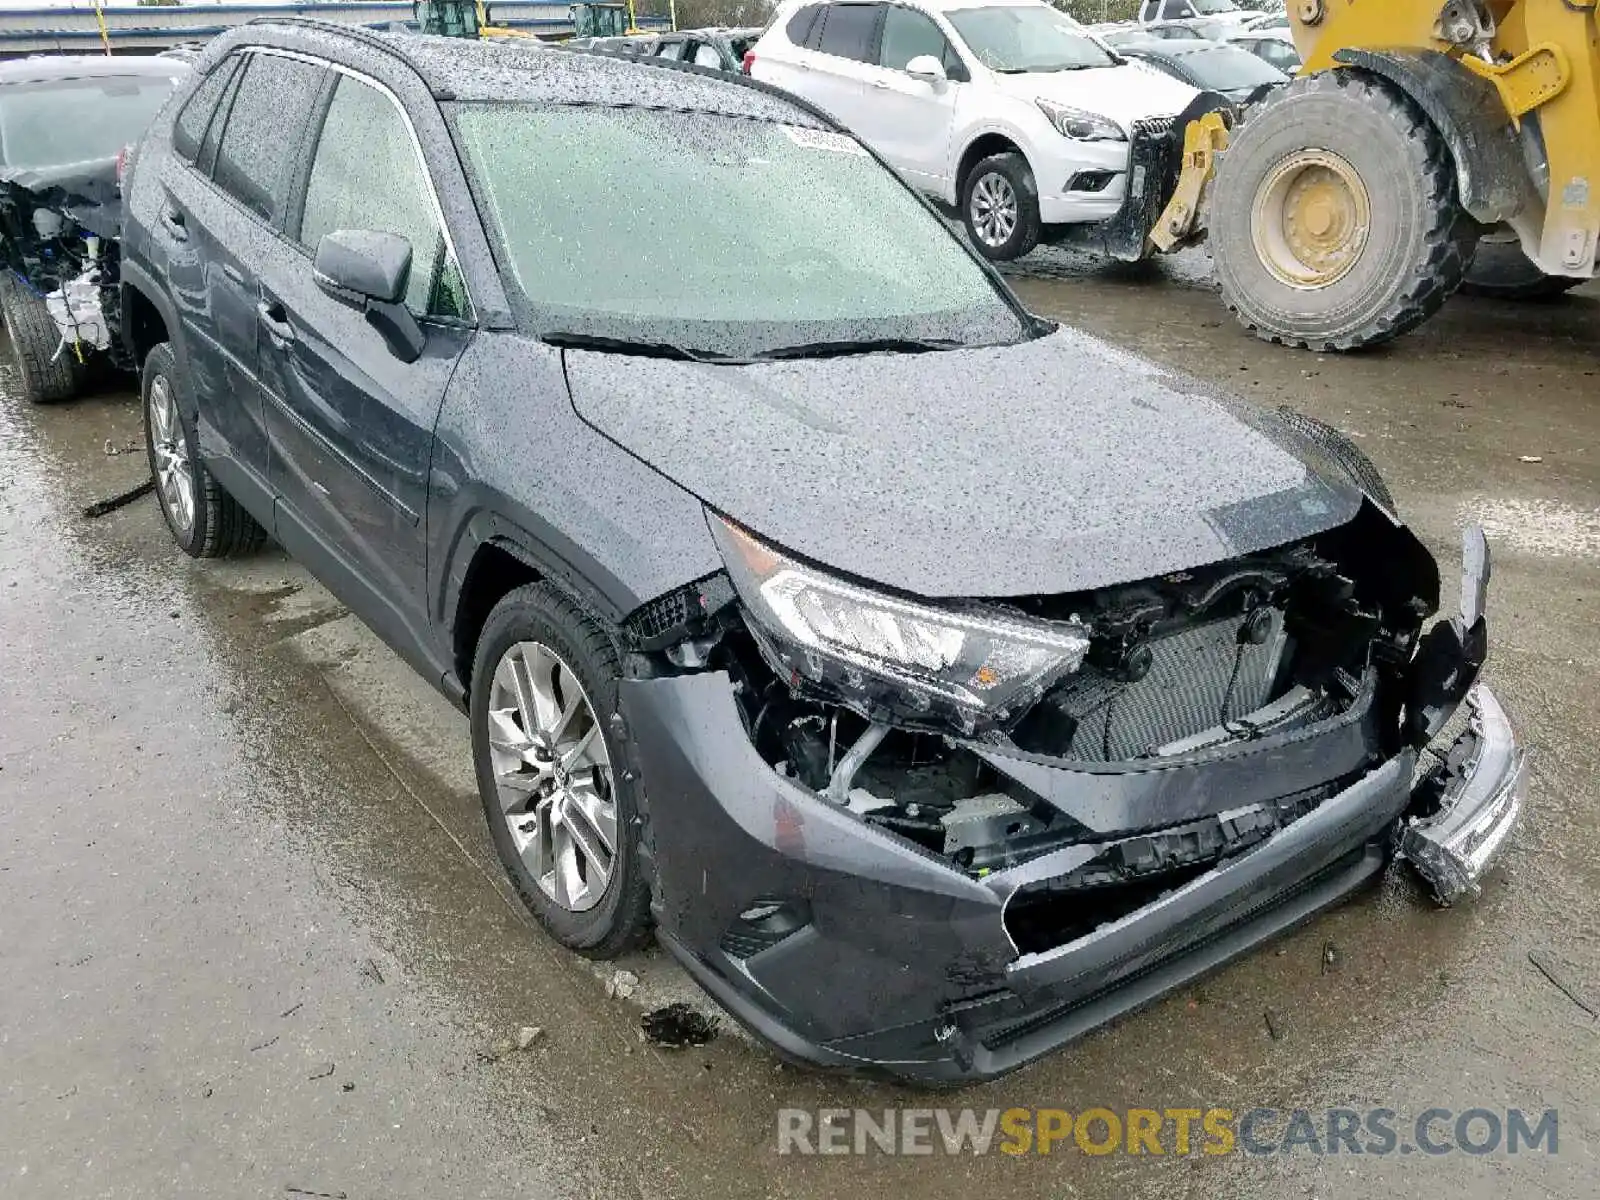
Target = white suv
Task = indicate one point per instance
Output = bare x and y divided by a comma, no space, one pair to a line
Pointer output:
1223,13
1007,108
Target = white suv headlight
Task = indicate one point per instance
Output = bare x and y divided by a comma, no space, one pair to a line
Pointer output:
1080,125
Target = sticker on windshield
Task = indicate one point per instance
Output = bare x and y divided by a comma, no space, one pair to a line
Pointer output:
823,139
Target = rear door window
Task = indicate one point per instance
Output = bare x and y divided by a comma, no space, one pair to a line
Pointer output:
671,50
801,25
367,174
705,55
850,31
189,131
274,99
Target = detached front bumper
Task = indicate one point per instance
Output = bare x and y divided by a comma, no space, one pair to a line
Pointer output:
845,946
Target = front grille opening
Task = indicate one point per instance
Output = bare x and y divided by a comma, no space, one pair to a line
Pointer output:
1135,871
1041,917
1007,1033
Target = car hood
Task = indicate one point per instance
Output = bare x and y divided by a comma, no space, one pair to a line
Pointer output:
1124,93
1056,465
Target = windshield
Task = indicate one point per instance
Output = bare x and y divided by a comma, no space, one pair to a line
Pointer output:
725,236
74,120
1227,68
1022,38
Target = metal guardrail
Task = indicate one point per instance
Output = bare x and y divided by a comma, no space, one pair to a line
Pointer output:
77,30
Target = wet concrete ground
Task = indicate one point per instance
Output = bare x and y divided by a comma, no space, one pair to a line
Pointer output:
253,938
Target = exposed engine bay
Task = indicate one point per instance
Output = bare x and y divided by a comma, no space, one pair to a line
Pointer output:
59,228
1189,667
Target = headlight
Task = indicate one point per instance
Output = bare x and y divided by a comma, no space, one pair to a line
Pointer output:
964,666
1082,126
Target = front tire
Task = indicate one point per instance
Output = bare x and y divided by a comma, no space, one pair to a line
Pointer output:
46,372
1000,207
1336,223
204,520
562,809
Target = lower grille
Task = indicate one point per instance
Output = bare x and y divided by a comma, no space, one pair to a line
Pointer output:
1198,679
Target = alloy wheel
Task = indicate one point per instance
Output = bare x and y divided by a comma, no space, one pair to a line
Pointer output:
994,210
174,473
552,775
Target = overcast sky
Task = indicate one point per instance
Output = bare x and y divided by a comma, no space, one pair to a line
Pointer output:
88,4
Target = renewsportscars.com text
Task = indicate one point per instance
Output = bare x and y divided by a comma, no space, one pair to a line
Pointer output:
1171,1131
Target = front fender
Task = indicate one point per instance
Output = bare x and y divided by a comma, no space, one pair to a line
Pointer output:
1466,109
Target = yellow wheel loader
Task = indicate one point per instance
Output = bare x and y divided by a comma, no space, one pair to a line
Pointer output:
1346,209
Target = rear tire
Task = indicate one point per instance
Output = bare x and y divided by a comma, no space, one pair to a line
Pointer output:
43,376
1335,219
1000,207
204,520
1501,271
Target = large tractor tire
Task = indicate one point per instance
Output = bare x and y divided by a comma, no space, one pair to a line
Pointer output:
1501,270
1334,217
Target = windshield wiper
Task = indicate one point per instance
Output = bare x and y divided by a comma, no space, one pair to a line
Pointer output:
573,340
1052,70
862,346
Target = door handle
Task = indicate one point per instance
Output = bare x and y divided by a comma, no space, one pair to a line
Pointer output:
173,219
232,274
277,322
880,85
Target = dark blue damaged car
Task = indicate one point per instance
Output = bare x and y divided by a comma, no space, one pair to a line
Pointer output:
934,682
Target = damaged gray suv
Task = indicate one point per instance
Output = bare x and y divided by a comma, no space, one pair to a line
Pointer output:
936,682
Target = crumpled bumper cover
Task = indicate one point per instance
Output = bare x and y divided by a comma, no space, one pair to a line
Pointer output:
878,955
1482,799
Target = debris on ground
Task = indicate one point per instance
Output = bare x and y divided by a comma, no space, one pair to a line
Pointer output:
1273,1030
321,1072
112,449
528,1035
677,1026
101,507
300,1191
620,986
370,970
1531,458
1330,957
1543,965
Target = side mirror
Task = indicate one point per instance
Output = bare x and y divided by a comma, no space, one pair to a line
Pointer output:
926,68
369,270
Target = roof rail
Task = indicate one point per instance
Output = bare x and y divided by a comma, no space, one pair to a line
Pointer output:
359,33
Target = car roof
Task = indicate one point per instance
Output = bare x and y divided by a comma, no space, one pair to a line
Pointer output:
953,5
47,67
522,69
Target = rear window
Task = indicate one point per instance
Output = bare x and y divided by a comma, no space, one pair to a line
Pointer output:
848,30
190,128
800,25
65,121
1226,68
269,113
778,235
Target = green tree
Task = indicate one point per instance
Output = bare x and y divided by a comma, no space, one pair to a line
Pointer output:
1094,12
